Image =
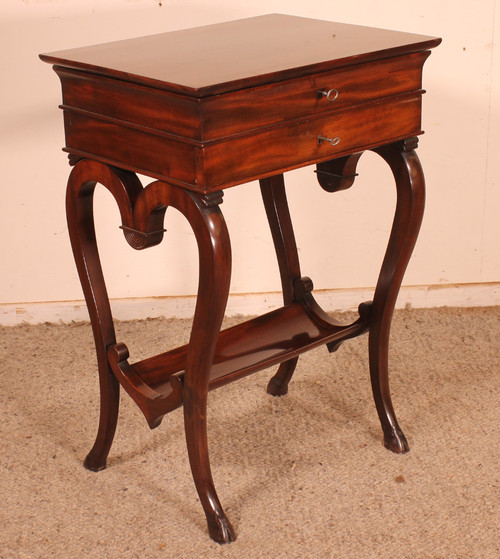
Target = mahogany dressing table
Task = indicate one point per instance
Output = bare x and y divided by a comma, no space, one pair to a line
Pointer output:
205,109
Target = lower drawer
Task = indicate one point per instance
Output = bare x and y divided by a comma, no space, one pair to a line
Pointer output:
129,147
248,157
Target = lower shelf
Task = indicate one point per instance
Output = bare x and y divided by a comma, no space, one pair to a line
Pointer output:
241,350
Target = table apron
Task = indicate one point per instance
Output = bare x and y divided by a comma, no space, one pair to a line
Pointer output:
243,157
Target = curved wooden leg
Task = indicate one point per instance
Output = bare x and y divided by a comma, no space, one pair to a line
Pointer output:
79,202
278,384
410,185
95,460
278,216
215,272
142,216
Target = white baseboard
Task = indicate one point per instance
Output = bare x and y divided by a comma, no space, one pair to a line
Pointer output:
450,295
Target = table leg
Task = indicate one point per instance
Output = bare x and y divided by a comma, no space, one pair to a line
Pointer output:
280,223
410,185
79,207
205,217
142,211
339,174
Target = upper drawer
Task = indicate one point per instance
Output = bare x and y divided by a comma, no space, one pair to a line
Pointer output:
219,116
310,96
128,104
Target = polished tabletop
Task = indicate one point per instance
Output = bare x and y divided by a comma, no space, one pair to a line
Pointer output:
226,56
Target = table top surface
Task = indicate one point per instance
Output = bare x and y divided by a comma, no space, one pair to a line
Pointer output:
224,57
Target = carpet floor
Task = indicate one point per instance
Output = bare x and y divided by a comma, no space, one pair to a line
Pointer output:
300,476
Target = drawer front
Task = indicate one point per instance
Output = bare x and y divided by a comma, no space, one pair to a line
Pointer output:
130,148
249,157
130,103
233,113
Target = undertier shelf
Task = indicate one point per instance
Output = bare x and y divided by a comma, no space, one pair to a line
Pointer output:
246,348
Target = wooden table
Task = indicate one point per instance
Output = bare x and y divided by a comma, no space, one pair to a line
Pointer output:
205,109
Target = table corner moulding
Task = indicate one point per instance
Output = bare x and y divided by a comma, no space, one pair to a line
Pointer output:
205,109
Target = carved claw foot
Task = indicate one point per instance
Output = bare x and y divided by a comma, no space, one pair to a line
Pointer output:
395,441
276,387
94,464
220,529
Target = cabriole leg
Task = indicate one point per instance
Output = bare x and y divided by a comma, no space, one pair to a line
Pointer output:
339,174
278,216
79,208
410,185
208,225
215,272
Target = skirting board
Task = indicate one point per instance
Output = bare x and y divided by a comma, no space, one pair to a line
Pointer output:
332,300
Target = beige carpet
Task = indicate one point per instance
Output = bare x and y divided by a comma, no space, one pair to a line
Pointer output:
303,476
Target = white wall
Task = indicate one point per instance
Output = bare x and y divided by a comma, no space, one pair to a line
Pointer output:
341,237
